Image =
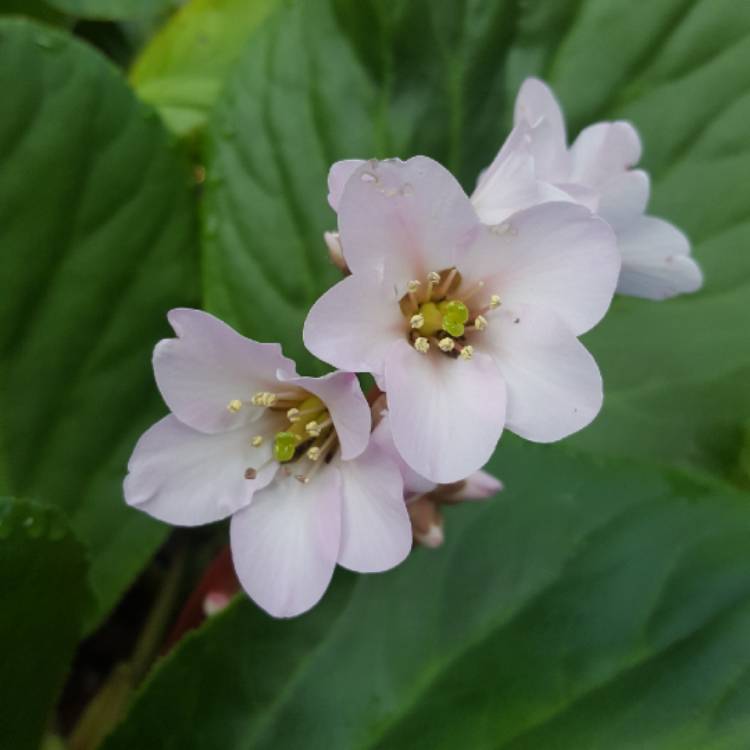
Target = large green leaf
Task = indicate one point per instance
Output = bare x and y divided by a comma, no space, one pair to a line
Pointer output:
332,79
182,70
43,596
591,605
98,243
112,9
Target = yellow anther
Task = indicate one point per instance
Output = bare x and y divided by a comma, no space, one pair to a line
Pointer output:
313,453
313,428
234,405
480,322
447,344
422,345
413,285
264,398
433,277
494,301
416,321
257,441
293,415
467,352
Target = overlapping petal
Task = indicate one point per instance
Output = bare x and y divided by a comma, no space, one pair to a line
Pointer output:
187,478
285,543
556,256
209,365
446,415
405,219
375,528
553,384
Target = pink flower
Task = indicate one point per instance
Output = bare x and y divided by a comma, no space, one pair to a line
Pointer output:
287,457
535,165
467,327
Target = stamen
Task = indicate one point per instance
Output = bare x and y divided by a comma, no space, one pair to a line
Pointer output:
250,473
480,322
467,352
433,277
413,287
313,453
495,302
314,428
293,414
442,290
257,441
422,345
416,321
263,398
234,405
447,344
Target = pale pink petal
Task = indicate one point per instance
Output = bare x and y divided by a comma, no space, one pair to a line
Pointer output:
554,386
209,365
446,414
354,323
404,219
414,484
537,106
656,262
509,184
187,478
347,405
285,543
375,527
575,192
478,486
604,150
338,175
623,199
557,256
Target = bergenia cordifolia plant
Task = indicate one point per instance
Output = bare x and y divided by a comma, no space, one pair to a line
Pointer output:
287,457
466,310
596,171
467,328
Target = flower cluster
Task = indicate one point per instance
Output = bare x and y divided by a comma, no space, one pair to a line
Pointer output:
465,309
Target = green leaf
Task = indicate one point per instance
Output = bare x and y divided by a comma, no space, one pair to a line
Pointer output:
108,10
327,80
44,595
182,70
98,243
39,9
590,605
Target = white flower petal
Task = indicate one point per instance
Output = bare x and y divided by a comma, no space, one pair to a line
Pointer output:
656,262
285,544
375,527
187,478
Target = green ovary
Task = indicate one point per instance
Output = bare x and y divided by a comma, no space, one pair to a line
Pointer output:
284,446
449,316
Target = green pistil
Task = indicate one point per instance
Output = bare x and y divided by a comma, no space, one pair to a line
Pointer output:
433,320
448,316
284,446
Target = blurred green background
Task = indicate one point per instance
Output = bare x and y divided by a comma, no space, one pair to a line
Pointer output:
153,156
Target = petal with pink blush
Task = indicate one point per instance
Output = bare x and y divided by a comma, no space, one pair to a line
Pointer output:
557,256
479,486
375,527
187,478
414,484
537,106
338,175
604,150
345,402
554,386
285,543
210,365
404,219
656,262
446,414
354,323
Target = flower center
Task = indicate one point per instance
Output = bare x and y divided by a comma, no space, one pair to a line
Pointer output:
443,314
303,435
